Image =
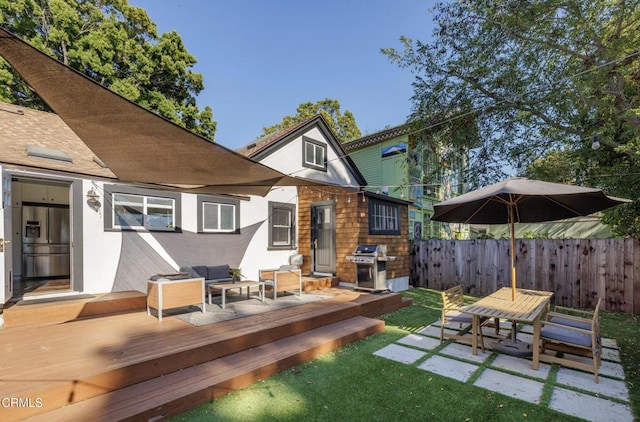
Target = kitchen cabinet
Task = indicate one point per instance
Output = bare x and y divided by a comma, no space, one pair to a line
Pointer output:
45,194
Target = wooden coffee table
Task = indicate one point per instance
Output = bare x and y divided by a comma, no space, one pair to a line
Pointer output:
223,287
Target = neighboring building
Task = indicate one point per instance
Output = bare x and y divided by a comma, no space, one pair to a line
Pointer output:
112,236
393,164
332,221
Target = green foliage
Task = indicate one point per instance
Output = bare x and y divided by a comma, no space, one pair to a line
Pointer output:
484,236
343,125
540,79
530,234
115,44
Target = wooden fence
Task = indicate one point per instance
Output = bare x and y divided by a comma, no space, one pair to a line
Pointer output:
578,271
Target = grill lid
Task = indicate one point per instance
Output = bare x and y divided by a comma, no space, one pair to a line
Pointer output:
373,250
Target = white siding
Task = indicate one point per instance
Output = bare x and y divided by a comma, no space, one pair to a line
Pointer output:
288,160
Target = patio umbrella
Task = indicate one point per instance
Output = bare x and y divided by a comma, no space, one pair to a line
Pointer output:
520,200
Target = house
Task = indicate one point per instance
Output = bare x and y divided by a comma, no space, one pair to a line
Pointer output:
397,164
118,234
333,220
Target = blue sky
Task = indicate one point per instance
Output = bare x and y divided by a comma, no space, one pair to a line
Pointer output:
260,58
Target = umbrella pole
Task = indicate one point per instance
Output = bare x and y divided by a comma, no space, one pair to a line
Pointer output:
513,267
514,346
513,253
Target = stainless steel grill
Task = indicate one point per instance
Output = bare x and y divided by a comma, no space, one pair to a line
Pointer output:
371,266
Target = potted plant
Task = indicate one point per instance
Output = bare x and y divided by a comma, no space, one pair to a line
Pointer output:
235,274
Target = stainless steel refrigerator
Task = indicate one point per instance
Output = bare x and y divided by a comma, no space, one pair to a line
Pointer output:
45,242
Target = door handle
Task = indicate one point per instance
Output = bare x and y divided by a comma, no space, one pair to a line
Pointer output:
315,243
2,243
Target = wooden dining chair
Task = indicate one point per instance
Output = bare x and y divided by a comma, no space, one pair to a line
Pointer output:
573,332
453,311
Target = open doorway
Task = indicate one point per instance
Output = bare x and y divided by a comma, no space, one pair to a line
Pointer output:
41,237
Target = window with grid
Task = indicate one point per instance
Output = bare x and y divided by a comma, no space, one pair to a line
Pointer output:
281,225
384,217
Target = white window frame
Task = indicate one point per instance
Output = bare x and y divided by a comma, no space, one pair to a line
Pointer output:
318,163
384,218
145,212
220,206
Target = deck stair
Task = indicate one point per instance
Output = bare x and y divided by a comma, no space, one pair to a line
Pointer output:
177,392
128,366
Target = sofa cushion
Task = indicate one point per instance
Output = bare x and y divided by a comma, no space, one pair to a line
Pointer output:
190,271
218,272
201,270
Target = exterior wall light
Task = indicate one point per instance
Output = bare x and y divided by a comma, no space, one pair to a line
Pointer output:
93,200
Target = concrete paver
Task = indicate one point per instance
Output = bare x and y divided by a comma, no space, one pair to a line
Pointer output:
434,331
589,407
449,368
521,366
400,353
584,381
421,342
510,385
611,354
463,351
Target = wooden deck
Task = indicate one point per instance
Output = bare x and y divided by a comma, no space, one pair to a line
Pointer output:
128,366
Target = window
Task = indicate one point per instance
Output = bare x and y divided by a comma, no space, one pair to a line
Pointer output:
384,217
218,217
218,214
281,225
137,211
135,208
314,154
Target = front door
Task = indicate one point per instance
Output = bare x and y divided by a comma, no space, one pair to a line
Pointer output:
6,258
323,237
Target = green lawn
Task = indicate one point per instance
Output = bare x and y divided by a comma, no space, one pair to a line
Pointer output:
351,384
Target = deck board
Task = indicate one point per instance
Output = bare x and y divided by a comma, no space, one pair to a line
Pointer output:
215,378
73,361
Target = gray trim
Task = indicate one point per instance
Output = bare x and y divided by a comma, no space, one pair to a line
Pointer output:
217,200
77,244
332,247
322,145
292,208
109,190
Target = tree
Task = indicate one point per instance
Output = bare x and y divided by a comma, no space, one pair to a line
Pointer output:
343,125
542,78
115,44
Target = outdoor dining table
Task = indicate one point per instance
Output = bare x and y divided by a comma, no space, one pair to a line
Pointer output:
528,306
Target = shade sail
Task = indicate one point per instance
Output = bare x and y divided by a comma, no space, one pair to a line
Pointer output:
137,145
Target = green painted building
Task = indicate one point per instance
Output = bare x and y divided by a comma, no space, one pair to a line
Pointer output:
398,163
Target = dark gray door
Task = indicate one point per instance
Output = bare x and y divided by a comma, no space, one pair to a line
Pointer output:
323,237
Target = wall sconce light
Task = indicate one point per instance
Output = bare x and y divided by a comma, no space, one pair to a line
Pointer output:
93,200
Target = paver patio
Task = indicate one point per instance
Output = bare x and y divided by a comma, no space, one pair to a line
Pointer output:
574,392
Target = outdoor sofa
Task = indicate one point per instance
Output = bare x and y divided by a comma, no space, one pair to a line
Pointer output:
212,275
